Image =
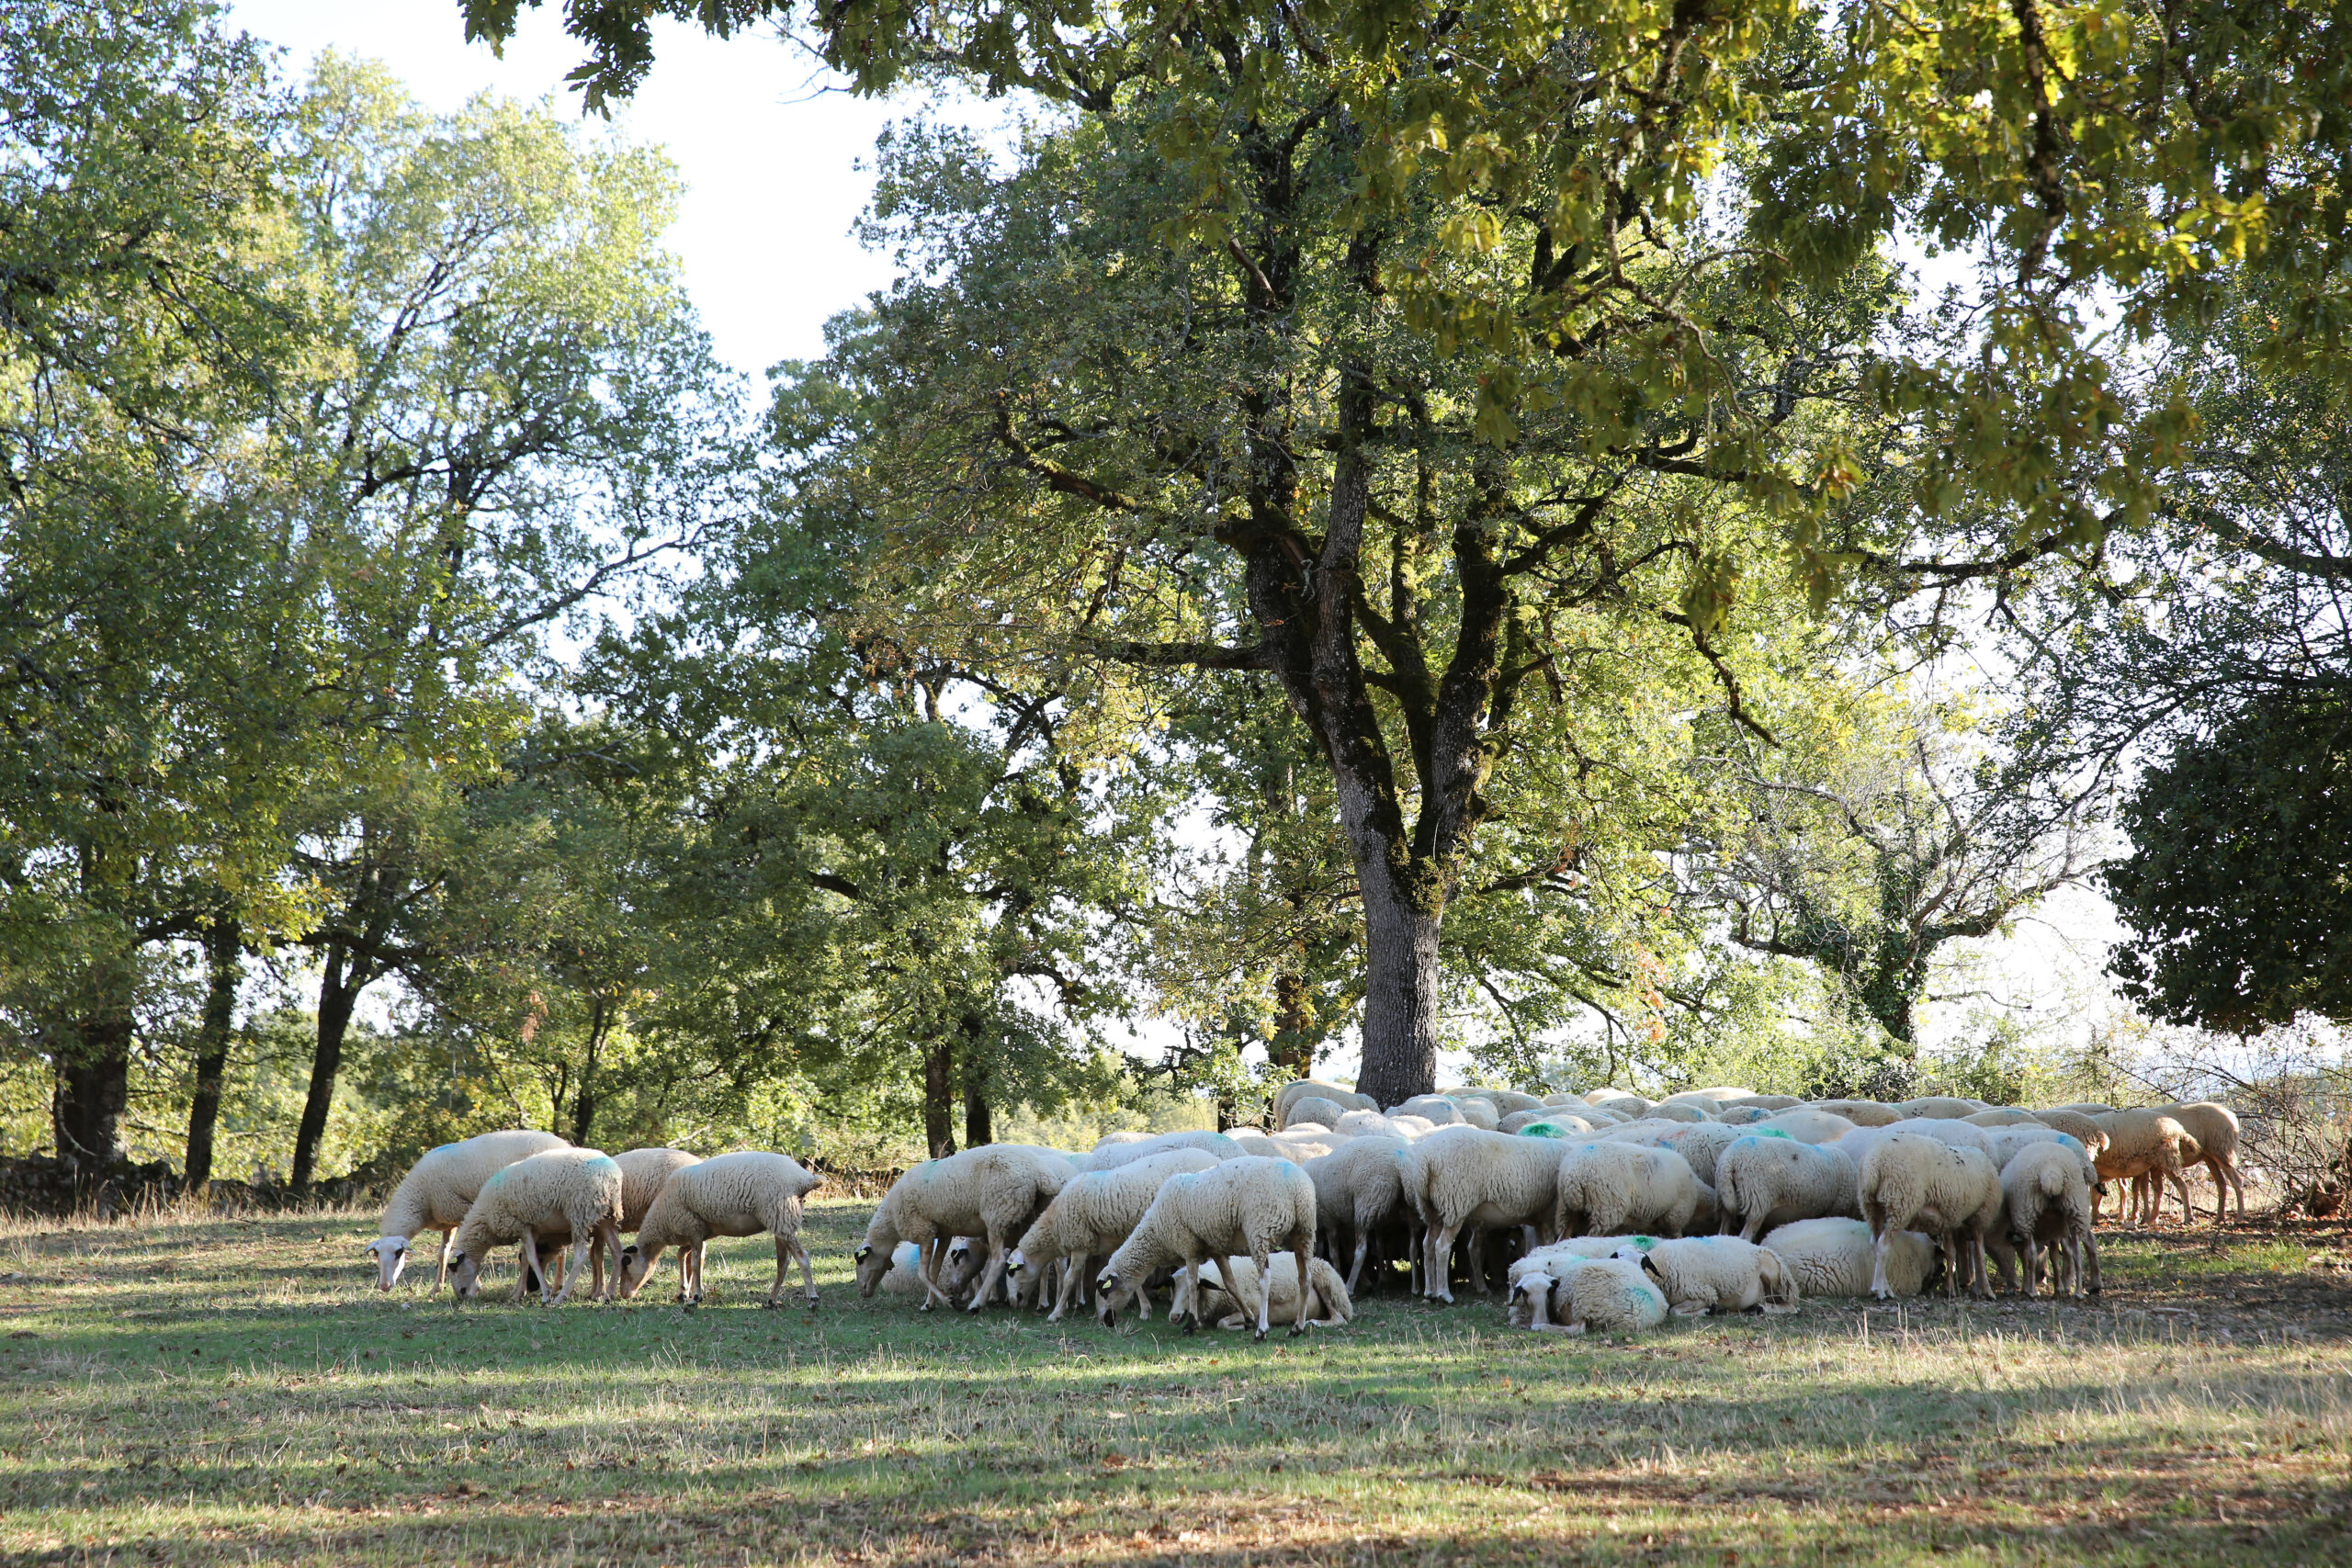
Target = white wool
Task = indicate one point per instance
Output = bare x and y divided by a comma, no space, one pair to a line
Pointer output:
1605,1188
1717,1273
750,1192
1244,1207
439,1188
574,1192
1762,1181
1093,1214
1832,1256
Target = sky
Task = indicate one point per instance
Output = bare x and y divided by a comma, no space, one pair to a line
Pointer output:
776,167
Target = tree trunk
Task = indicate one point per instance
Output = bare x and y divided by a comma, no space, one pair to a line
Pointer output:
336,996
93,1091
939,1098
977,1129
1400,994
223,947
584,1110
1290,1051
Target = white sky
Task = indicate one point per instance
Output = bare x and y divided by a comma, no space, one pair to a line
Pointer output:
775,170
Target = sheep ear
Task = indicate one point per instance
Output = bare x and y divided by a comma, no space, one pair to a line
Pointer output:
861,1255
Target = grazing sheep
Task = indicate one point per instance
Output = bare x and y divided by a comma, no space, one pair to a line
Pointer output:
438,1190
1702,1144
1832,1256
1095,1212
1359,1188
1462,1178
1861,1112
1412,1126
746,1193
2147,1143
2083,1129
1437,1110
1603,1295
1940,1108
991,1192
1743,1115
2047,1192
2215,1128
1808,1124
1944,1130
1535,1277
1107,1155
1717,1273
1910,1182
1603,1188
1327,1304
643,1171
1477,1111
1249,1206
577,1192
1346,1098
1761,1182
1324,1114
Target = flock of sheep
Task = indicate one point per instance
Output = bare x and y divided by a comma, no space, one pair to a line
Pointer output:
1602,1211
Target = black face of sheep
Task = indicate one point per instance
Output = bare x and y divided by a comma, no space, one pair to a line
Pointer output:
872,1262
465,1277
632,1272
1112,1294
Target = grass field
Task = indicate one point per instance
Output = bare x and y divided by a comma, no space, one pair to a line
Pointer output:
237,1392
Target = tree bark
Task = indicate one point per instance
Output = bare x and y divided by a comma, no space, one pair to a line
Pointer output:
1400,993
977,1127
337,995
223,951
94,1089
939,1098
1291,1051
583,1109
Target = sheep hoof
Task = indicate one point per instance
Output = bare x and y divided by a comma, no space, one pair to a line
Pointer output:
1192,1322
1296,1331
1260,1337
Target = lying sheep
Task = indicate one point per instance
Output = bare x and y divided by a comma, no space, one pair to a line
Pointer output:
1247,1206
1831,1257
2046,1194
438,1190
2147,1143
1910,1182
1535,1276
1716,1274
1764,1181
1359,1190
1603,1295
577,1192
990,1192
1327,1305
1465,1177
1093,1214
2215,1128
1604,1189
747,1194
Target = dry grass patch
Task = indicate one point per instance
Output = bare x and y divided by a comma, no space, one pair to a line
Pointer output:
199,1391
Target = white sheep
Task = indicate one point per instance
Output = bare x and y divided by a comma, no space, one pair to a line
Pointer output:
749,1193
576,1191
438,1190
1716,1274
1368,1124
2215,1128
2046,1192
1861,1112
1807,1124
1108,1156
1437,1110
1702,1144
1682,1111
1327,1304
1772,1103
2078,1126
1315,1108
1477,1111
1603,1188
1345,1098
1248,1206
2001,1116
1940,1108
1359,1188
1535,1276
1603,1295
1764,1181
1910,1182
2148,1142
1832,1256
1460,1177
991,1192
1093,1214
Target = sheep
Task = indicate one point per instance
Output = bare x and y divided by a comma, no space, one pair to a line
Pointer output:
2004,1142
1702,1144
1358,1187
1679,1111
1315,1108
1832,1256
1710,1099
1247,1205
1549,1116
1717,1273
2000,1116
1536,1276
1346,1098
2078,1126
1762,1182
1808,1124
643,1171
747,1194
1742,1115
1769,1103
1108,1156
2047,1191
1465,1177
2147,1143
1910,1182
1603,1295
1944,1130
1437,1110
578,1191
989,1191
2215,1128
1604,1188
1327,1304
1940,1108
1095,1212
905,1276
1477,1111
1861,1112
1368,1124
1567,1097
1295,1143
438,1190
1622,1101
2086,1108
1652,1130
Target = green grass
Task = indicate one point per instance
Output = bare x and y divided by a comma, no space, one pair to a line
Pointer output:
224,1392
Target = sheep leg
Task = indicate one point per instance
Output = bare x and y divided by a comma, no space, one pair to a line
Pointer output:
442,1277
1068,1292
608,1239
930,1276
2188,1209
1304,1252
990,1275
1355,1270
1438,1283
1476,1259
1983,1287
530,1264
2032,1267
581,1242
1879,1231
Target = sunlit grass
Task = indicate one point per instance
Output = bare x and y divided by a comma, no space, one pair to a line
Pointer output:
191,1390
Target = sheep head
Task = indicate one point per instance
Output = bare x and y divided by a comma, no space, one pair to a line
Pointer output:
390,1253
465,1276
872,1262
